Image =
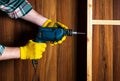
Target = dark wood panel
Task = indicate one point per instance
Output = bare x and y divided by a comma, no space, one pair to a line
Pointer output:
7,70
116,55
116,42
116,11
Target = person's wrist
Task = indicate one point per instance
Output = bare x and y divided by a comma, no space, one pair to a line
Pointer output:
44,21
47,23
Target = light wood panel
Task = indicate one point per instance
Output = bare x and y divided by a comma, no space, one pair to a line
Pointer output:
89,40
106,22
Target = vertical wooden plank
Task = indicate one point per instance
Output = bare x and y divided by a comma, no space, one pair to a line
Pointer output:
102,47
102,9
6,36
103,53
116,53
116,41
47,68
7,28
6,70
66,14
89,40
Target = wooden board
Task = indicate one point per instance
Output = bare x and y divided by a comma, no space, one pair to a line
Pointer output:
116,53
105,56
66,54
106,22
102,56
116,42
102,53
89,40
102,9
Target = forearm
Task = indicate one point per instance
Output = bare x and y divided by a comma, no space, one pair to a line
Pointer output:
23,9
35,18
10,53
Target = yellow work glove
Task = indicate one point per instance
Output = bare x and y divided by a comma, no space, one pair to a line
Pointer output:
50,23
32,50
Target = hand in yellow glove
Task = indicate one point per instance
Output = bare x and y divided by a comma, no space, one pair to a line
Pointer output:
32,50
50,23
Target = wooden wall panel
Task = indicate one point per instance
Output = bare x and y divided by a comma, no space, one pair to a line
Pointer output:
116,42
116,55
58,62
65,14
48,65
102,42
106,58
102,9
102,53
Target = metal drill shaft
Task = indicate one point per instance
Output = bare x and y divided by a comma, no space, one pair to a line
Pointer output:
75,33
70,32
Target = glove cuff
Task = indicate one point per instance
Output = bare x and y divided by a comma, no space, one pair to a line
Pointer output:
23,53
62,25
46,23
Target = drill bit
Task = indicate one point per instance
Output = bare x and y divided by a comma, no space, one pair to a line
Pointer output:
70,32
75,33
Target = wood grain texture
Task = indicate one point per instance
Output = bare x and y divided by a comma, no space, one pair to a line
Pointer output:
102,42
116,55
106,41
48,65
58,62
106,22
102,9
116,42
102,53
66,10
89,40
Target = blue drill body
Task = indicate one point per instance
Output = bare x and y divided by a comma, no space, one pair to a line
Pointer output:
50,34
